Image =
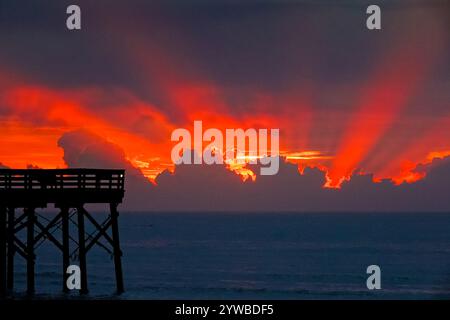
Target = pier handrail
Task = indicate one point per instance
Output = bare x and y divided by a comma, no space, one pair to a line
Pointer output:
81,179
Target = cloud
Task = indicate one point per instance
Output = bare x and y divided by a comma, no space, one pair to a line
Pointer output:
84,149
262,64
215,188
320,78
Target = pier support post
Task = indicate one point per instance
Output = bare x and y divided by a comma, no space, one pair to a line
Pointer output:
30,249
65,245
116,248
2,251
11,247
82,250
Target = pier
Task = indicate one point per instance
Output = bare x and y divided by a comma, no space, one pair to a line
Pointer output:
22,191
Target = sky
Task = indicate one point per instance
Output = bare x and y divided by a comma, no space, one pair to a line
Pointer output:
352,105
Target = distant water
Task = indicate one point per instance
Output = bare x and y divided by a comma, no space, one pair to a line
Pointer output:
265,256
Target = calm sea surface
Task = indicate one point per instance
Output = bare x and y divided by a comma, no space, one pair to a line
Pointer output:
265,256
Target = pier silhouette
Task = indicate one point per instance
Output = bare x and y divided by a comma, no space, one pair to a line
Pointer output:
69,190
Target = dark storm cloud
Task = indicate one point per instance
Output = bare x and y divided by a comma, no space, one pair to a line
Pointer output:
40,48
269,46
220,190
308,66
214,188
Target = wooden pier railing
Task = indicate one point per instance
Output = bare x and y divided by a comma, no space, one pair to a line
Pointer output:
60,186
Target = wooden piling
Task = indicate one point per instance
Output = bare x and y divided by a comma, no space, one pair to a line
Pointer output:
2,251
82,251
30,249
116,248
65,245
11,248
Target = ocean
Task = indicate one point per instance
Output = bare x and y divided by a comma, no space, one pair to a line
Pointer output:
263,256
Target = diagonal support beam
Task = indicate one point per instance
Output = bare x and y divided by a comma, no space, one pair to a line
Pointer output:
20,222
44,231
21,251
99,234
101,230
